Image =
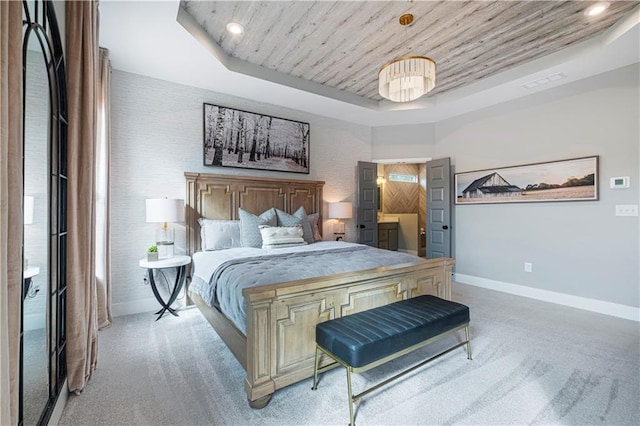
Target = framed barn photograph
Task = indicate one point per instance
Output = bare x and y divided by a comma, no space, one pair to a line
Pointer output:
235,138
565,180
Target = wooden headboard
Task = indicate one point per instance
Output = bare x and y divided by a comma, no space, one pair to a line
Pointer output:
219,197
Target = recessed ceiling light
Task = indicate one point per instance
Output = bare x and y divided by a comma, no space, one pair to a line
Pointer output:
596,9
235,28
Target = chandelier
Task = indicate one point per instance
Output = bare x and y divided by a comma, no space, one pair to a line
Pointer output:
406,79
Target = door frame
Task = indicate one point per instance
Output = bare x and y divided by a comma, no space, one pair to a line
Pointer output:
424,160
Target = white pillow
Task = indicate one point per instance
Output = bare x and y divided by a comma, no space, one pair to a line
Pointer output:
281,236
219,234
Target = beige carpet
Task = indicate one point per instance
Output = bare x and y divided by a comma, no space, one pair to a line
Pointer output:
534,363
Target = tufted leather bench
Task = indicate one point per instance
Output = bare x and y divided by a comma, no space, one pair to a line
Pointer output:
370,338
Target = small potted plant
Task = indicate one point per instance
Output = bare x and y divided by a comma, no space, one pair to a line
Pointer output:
152,254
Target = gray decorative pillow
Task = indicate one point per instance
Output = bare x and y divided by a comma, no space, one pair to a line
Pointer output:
313,221
306,225
297,218
249,226
219,234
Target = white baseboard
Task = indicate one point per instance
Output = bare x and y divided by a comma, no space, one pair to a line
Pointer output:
56,415
134,307
140,306
413,252
593,305
34,321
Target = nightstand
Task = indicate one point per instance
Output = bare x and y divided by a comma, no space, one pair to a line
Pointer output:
28,274
178,262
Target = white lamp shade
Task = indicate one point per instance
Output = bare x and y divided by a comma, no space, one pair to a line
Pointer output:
342,210
29,201
165,210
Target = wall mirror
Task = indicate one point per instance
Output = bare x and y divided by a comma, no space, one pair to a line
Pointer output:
35,255
42,360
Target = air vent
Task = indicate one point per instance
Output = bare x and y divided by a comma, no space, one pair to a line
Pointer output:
543,81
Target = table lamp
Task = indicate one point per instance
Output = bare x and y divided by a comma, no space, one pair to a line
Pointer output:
339,211
165,210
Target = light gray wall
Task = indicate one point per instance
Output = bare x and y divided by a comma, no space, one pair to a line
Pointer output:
577,248
157,133
400,142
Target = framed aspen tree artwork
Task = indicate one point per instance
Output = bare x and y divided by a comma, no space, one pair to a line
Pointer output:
236,138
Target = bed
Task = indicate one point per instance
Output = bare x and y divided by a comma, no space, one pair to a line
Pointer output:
276,343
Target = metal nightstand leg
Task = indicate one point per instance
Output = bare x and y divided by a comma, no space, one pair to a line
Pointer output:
177,286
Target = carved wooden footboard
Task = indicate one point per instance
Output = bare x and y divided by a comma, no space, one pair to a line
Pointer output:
279,345
281,318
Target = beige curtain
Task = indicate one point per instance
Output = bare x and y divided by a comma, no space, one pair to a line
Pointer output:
11,200
103,171
82,78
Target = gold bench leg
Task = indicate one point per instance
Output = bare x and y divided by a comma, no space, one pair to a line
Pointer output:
351,422
353,398
315,369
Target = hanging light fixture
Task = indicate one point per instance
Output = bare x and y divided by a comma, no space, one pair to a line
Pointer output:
406,79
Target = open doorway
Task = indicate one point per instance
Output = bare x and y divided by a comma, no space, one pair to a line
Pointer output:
402,189
413,203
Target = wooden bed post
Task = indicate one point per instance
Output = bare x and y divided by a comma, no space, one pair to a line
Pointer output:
259,385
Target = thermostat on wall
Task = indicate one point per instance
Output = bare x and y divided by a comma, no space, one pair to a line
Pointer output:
619,182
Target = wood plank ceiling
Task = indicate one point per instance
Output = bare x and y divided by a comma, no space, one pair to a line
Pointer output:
343,44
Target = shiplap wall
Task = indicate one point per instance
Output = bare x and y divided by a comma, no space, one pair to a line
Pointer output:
157,136
400,197
469,40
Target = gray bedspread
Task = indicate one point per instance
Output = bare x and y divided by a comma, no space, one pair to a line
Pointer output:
232,276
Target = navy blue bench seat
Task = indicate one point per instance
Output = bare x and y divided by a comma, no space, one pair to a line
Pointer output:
366,339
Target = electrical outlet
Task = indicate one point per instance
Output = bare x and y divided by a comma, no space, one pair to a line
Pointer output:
145,279
528,267
626,210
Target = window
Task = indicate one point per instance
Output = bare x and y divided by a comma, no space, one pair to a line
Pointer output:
401,177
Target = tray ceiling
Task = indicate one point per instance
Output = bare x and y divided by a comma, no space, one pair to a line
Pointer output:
336,48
